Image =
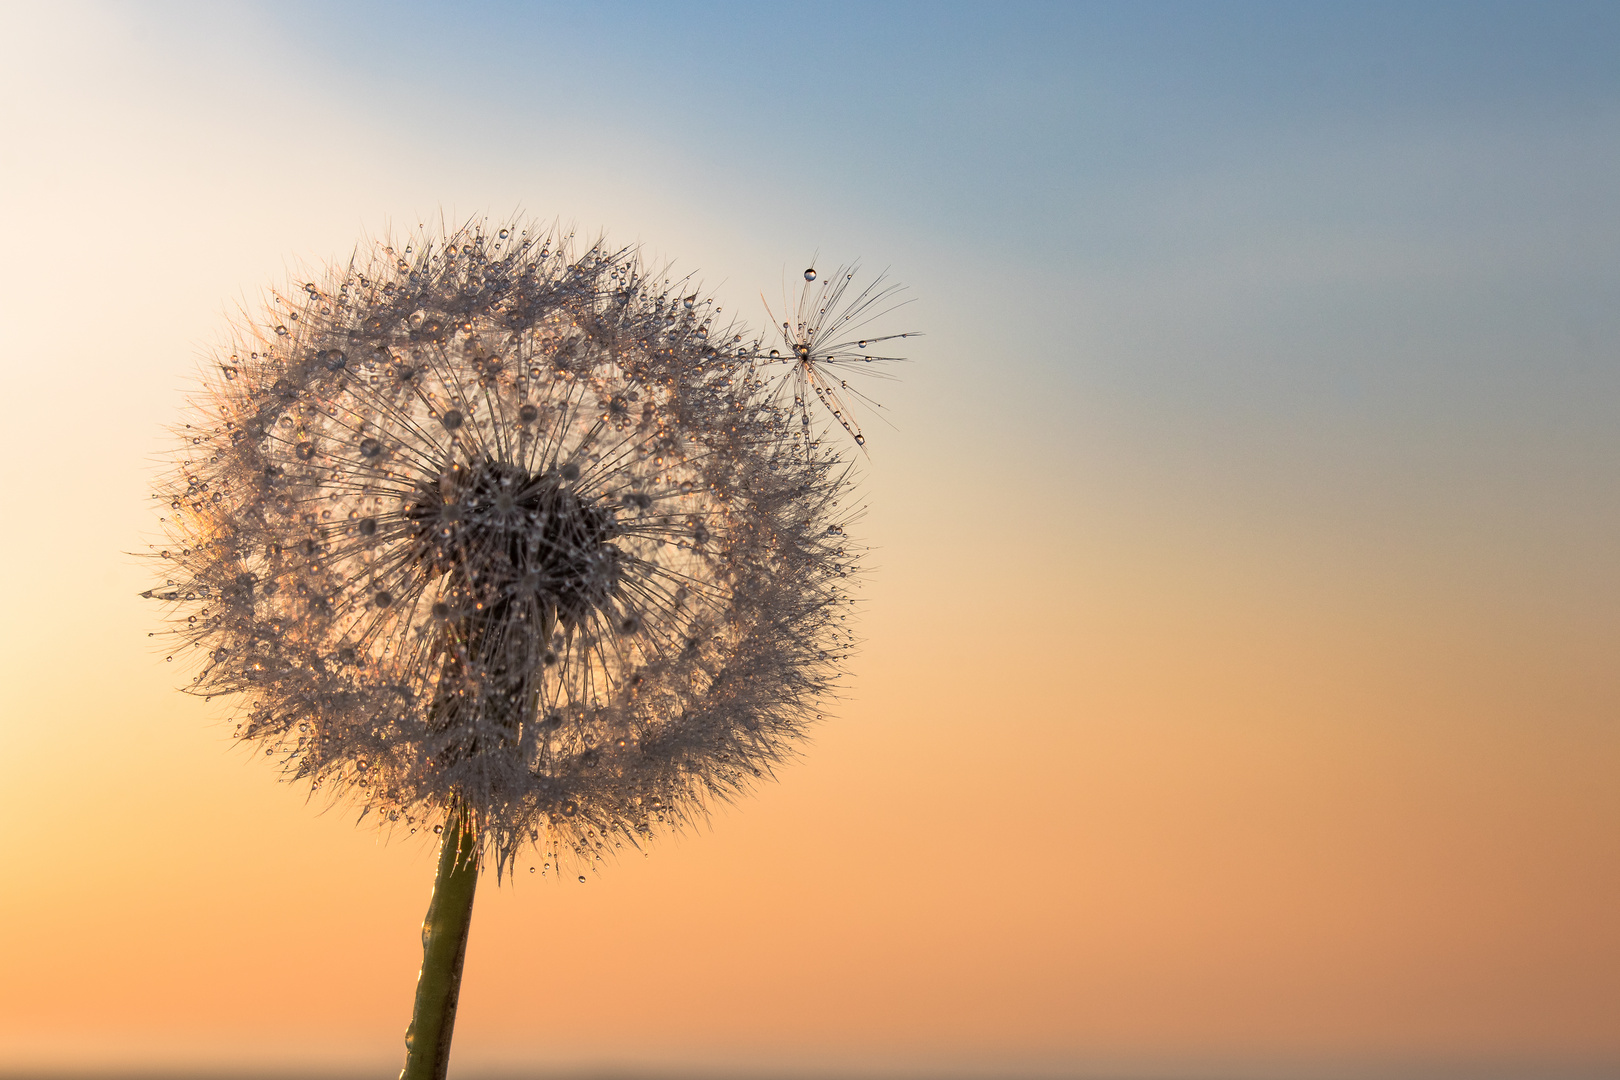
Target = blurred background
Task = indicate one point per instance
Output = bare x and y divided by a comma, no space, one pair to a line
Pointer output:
1239,693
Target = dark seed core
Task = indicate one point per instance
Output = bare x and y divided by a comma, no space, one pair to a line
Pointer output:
509,534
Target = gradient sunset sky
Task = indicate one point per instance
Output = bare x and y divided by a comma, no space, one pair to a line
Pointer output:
1240,692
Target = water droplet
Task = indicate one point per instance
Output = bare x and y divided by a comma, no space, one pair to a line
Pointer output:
810,274
368,526
582,879
281,331
860,440
504,233
860,344
438,829
570,471
370,448
774,354
306,450
531,869
527,414
452,419
384,598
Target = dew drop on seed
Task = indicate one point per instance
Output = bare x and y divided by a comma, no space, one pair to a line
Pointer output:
582,879
384,598
504,234
527,414
810,274
860,344
860,440
368,526
438,829
452,419
370,448
531,869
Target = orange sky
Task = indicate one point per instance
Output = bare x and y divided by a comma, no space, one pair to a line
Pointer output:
1118,809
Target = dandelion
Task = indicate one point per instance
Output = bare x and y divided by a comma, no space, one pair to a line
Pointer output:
483,535
822,345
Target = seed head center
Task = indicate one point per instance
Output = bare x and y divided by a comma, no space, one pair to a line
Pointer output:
505,534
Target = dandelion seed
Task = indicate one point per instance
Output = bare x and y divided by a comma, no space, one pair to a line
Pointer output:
821,348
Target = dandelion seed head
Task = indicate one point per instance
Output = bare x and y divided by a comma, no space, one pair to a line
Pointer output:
489,523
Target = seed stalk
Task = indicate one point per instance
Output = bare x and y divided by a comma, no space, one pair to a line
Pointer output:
444,950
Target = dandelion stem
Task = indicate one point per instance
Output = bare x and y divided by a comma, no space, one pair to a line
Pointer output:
444,948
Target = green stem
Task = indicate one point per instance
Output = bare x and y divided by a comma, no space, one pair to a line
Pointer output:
444,948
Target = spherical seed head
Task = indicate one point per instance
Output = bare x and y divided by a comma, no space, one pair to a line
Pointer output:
481,520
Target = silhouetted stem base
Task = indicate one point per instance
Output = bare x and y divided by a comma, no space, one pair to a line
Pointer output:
444,949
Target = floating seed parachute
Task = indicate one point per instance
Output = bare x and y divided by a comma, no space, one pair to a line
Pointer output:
484,522
824,344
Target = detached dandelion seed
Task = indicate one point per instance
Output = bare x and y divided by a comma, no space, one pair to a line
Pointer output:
486,538
822,346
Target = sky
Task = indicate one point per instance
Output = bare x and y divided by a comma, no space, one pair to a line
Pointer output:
1237,695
